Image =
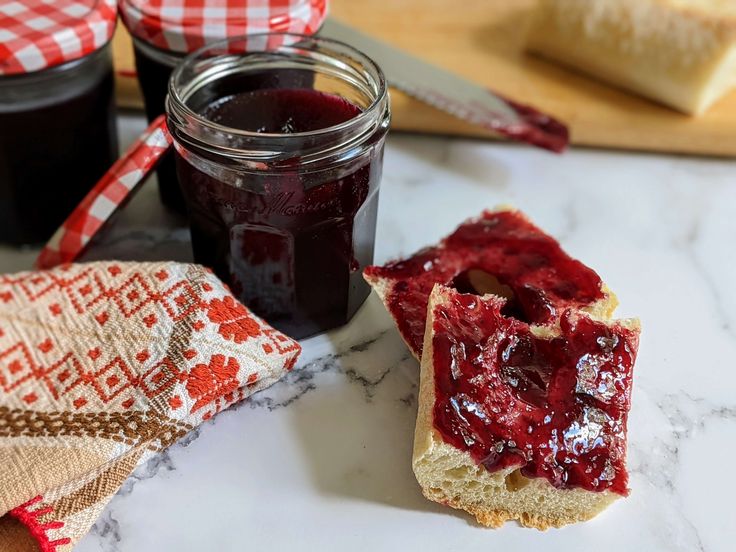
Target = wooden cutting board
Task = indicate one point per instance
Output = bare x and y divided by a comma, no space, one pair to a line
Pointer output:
482,40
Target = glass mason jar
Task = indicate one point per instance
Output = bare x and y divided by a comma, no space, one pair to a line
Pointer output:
162,38
279,145
57,138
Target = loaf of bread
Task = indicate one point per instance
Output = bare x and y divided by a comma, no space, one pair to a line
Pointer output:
476,476
681,53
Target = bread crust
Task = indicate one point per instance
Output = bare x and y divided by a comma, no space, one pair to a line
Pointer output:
383,288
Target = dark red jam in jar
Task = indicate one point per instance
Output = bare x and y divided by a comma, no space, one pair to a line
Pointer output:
57,115
552,403
164,34
281,182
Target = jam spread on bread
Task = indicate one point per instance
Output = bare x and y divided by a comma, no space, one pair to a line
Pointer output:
550,400
543,279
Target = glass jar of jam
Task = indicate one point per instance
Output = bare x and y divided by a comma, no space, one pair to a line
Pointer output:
57,112
164,34
279,147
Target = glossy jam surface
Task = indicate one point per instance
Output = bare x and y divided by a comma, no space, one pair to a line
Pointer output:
281,111
555,407
153,77
50,157
543,278
291,243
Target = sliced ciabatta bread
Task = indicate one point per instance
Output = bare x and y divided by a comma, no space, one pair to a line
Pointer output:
500,252
520,422
681,53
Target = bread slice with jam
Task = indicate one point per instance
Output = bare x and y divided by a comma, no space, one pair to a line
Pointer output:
520,421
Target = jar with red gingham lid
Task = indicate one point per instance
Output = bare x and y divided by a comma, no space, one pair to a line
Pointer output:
164,31
57,111
282,180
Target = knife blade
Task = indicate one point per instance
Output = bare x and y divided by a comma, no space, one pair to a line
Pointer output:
454,94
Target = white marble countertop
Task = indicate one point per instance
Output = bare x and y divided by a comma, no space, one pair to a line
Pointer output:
322,459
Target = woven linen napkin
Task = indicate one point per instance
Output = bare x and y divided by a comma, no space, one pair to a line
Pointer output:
103,365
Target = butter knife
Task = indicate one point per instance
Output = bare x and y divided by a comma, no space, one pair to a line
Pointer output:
453,94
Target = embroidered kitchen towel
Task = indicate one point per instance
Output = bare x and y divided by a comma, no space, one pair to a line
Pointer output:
101,366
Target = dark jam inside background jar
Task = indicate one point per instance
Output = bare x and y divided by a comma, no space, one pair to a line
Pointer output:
57,138
291,238
154,68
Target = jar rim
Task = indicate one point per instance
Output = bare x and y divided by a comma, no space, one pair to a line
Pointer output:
177,103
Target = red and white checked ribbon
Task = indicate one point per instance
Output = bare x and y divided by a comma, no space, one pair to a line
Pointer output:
36,34
110,192
186,25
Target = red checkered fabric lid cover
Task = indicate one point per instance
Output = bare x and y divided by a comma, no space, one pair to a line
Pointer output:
37,34
183,26
114,188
